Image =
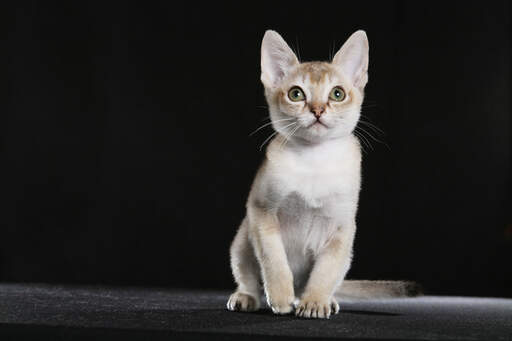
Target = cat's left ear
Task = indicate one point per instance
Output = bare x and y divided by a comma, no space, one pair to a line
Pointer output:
352,59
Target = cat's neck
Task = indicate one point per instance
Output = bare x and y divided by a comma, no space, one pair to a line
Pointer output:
299,145
323,152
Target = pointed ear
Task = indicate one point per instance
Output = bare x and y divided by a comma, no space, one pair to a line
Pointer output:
276,59
352,59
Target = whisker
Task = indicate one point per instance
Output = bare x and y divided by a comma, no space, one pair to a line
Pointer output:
370,135
274,133
269,123
370,102
268,138
363,138
363,144
286,139
286,133
373,127
298,48
374,138
333,50
369,105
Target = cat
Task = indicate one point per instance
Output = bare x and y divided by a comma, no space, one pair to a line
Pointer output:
297,236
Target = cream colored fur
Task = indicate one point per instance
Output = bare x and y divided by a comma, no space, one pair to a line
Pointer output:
298,233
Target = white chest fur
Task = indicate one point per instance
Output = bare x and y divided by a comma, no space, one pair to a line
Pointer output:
323,175
314,190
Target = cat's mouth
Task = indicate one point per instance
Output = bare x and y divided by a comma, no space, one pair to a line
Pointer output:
317,123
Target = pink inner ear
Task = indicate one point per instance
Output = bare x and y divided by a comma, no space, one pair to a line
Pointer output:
278,72
275,66
353,64
276,58
352,58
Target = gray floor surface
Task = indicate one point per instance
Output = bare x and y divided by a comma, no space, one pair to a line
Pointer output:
74,312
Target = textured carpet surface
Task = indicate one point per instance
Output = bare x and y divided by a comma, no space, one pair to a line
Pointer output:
35,311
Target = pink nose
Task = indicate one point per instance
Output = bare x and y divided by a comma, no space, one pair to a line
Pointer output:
317,110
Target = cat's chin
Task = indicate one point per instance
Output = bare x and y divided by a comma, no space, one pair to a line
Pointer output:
319,133
317,129
314,134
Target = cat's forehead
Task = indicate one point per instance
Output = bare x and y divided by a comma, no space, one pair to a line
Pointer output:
315,73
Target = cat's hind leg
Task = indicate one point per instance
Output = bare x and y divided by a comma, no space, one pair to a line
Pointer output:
246,273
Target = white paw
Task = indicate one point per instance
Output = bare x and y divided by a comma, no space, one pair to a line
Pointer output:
317,308
242,302
281,305
281,308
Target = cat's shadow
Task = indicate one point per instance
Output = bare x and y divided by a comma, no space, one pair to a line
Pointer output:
349,311
367,312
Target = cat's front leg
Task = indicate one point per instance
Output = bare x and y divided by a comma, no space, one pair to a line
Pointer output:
331,266
271,255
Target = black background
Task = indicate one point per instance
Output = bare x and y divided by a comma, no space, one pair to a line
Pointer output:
126,155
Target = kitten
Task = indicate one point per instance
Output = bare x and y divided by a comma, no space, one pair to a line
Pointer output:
300,224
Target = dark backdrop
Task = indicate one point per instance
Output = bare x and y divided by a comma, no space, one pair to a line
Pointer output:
126,155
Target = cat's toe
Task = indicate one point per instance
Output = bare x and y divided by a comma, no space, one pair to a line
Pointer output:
314,309
335,307
242,302
281,308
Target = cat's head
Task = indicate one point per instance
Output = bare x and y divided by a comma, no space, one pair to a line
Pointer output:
314,101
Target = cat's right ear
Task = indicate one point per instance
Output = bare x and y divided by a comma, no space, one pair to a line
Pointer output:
276,59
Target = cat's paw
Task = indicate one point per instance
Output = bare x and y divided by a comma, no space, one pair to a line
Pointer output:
282,305
310,307
280,296
243,302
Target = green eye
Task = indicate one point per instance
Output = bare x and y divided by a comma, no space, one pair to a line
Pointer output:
337,94
296,94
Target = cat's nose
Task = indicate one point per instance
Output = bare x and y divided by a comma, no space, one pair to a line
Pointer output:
317,110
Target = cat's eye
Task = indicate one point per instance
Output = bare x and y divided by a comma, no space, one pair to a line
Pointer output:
296,94
337,94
